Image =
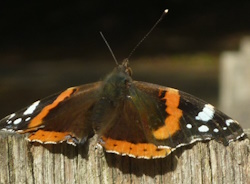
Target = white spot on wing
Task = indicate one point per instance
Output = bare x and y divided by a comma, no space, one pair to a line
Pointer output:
242,135
164,147
9,122
31,108
203,128
189,126
206,114
216,130
35,140
71,143
49,142
28,118
11,116
17,121
229,121
9,130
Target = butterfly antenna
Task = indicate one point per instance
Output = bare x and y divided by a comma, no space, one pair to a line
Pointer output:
110,50
153,27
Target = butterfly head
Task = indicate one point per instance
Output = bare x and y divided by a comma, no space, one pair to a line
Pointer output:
124,67
118,82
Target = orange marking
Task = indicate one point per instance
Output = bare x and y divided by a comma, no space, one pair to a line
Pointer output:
172,124
140,150
48,136
36,121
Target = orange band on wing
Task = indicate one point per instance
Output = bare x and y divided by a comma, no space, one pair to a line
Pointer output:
36,121
172,124
139,150
43,136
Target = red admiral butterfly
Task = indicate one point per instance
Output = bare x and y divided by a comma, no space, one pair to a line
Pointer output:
133,118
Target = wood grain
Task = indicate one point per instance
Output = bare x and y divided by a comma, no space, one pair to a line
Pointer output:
204,162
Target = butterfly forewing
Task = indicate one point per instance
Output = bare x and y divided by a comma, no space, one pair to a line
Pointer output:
61,117
204,120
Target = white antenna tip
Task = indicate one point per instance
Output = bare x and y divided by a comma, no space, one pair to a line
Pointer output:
166,11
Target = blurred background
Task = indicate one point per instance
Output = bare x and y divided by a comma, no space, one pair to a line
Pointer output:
47,46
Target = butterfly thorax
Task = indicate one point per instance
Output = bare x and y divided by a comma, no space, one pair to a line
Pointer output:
113,94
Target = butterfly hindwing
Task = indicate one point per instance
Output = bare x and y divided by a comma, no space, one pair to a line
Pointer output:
57,118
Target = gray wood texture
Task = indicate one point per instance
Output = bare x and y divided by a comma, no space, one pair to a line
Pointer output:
203,162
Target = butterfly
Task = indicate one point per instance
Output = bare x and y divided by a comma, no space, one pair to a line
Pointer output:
132,118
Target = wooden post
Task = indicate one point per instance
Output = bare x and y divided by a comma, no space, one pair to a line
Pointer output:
207,162
235,83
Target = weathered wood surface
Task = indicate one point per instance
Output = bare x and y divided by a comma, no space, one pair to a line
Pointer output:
209,162
235,84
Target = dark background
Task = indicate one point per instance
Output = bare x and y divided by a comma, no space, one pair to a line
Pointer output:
45,30
47,46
